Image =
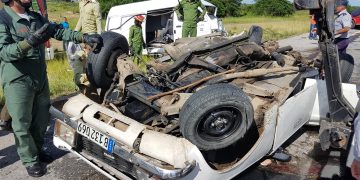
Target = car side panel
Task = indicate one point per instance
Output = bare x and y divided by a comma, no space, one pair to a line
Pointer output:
293,114
260,149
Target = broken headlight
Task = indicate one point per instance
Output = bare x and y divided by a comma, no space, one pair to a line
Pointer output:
65,132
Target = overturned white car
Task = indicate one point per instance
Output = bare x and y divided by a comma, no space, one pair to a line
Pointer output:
208,108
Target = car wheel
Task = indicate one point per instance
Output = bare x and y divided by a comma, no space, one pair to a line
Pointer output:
101,66
216,117
346,62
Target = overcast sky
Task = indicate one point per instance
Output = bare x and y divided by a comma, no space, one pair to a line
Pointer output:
352,2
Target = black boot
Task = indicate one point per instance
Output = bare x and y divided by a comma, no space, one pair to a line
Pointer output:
36,170
281,155
45,157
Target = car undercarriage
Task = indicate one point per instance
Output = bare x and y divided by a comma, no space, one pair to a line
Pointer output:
209,106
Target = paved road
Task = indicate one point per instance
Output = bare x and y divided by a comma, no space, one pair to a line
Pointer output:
307,163
66,165
309,48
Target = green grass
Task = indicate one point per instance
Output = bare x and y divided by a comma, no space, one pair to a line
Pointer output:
275,28
60,77
57,10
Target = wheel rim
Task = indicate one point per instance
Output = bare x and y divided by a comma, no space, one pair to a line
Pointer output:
219,123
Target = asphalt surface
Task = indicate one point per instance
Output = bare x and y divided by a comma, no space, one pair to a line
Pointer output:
308,161
65,165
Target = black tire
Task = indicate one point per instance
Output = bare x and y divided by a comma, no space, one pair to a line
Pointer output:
101,66
111,68
346,62
255,34
223,104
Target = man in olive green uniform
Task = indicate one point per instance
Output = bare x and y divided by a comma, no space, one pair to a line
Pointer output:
24,78
136,39
90,23
188,11
90,17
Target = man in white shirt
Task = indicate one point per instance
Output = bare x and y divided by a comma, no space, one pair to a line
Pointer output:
342,26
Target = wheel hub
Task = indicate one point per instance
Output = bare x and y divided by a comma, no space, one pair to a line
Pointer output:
220,124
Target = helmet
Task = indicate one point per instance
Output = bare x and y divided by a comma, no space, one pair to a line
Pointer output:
342,3
140,18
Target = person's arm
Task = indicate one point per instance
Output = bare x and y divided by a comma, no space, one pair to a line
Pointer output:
355,168
68,35
131,35
346,24
62,34
343,30
202,15
97,14
179,11
11,51
78,25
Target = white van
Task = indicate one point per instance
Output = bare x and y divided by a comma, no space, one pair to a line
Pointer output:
161,24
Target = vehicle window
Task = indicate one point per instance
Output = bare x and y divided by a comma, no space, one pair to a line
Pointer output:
210,10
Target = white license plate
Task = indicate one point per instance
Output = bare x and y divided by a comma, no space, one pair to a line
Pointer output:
96,136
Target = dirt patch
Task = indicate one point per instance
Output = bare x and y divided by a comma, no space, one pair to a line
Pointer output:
308,160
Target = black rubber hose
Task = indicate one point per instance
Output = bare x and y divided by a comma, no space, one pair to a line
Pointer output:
284,49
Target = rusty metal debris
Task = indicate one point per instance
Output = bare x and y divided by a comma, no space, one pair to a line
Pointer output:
259,74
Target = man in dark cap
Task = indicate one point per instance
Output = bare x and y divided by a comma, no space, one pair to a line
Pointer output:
342,25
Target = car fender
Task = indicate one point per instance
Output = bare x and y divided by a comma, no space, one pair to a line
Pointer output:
261,148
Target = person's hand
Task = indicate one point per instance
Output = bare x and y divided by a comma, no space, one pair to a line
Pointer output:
53,28
355,169
200,19
95,41
41,35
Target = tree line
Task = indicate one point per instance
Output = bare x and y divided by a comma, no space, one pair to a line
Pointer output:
233,8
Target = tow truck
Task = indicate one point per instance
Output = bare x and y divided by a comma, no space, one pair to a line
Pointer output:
209,108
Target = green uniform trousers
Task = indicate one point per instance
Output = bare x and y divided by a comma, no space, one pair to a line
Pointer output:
137,48
189,31
28,105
